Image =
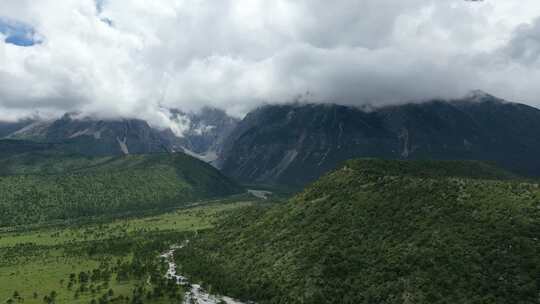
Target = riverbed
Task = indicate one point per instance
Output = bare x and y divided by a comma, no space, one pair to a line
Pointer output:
195,294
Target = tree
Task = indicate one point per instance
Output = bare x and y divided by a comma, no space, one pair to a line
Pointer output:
47,299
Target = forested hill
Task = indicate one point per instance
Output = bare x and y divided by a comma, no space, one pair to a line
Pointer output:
382,232
10,147
43,186
430,168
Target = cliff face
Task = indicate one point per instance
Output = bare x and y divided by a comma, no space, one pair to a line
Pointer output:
205,134
295,144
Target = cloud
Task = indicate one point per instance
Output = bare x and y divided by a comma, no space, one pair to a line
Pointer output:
114,58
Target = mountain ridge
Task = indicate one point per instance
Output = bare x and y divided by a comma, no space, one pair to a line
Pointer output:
297,143
294,144
201,137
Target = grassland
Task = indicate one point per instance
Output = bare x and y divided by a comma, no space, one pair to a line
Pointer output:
36,262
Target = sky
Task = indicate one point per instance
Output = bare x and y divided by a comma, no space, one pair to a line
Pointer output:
138,58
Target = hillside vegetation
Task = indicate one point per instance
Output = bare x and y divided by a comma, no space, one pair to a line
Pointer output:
45,186
382,232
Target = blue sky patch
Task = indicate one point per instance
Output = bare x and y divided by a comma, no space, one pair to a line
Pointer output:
18,33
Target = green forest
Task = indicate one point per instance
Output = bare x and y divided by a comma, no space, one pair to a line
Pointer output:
90,230
70,187
377,231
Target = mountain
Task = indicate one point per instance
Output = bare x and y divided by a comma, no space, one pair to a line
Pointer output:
47,185
381,231
8,127
202,135
296,143
206,132
95,137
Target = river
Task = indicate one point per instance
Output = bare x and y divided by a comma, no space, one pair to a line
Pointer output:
195,294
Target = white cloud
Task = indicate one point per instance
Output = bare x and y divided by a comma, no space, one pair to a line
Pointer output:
132,58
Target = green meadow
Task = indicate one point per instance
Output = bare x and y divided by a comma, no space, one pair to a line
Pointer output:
38,265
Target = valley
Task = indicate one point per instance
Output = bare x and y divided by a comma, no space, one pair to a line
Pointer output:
89,229
41,261
169,228
166,227
269,152
333,211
